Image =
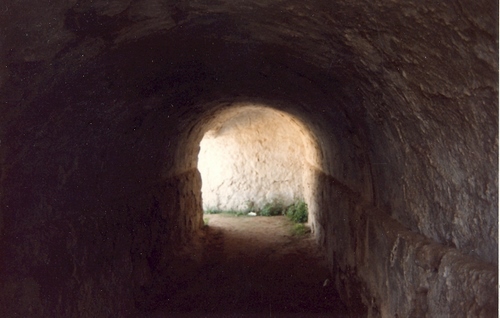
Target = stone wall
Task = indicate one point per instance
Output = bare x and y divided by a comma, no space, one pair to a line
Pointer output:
381,268
103,104
108,260
254,158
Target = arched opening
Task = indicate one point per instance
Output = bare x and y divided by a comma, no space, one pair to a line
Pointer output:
252,157
259,154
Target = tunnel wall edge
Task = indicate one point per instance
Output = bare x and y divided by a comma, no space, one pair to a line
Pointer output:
102,261
381,268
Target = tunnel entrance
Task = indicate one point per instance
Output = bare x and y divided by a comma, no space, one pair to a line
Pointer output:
253,158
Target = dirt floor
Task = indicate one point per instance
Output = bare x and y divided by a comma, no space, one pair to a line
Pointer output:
256,267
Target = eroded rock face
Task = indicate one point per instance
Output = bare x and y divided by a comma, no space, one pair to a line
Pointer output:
103,106
254,158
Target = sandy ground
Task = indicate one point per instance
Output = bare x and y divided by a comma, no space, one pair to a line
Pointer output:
256,267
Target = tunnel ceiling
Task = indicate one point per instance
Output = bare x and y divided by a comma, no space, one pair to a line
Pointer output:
407,91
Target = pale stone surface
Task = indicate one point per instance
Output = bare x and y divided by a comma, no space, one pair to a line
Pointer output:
254,158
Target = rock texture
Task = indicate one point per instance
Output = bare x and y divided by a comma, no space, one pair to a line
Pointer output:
254,158
103,105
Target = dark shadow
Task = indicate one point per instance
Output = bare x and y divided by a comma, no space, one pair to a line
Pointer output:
255,267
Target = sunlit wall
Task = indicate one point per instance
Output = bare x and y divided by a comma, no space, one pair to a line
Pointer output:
251,159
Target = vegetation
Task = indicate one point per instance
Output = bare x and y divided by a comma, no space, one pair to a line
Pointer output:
219,211
273,208
300,229
297,212
212,211
237,213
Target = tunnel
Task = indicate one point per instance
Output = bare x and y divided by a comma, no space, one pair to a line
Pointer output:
104,104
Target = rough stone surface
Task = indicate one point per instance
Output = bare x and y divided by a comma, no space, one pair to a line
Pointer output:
254,158
104,104
383,269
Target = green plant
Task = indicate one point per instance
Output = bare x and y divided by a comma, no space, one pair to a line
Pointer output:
219,211
273,208
235,212
300,229
205,221
297,212
212,211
